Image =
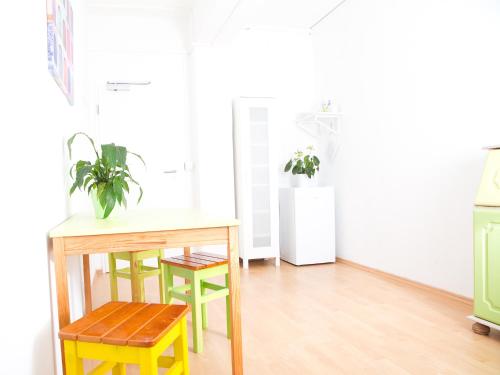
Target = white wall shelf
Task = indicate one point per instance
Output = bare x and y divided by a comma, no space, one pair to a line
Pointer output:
315,123
323,126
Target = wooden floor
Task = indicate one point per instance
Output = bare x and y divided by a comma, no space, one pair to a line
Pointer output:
335,319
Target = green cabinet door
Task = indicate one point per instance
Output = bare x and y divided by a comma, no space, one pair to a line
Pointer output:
487,263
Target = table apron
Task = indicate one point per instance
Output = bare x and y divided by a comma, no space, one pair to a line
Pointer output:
108,243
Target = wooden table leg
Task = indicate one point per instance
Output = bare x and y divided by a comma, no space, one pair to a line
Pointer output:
87,284
234,292
61,287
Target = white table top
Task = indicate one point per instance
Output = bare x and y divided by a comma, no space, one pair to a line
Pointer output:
139,220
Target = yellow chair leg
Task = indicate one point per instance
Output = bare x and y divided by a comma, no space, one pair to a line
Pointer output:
181,347
149,363
120,369
74,365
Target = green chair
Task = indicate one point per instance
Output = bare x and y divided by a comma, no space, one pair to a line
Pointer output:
197,268
136,272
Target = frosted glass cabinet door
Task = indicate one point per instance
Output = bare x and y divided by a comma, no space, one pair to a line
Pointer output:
487,264
256,176
259,144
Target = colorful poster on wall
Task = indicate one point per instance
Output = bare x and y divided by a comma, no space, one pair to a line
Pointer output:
60,44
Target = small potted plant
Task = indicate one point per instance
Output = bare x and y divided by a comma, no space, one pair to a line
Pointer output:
107,179
303,166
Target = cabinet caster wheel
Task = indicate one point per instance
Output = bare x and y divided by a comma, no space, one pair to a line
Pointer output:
480,329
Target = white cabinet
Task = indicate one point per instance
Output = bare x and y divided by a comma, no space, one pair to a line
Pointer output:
256,174
307,225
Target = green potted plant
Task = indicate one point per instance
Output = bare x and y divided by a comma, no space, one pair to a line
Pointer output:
303,166
106,179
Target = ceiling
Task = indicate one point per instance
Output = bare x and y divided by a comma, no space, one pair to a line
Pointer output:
284,13
141,4
214,19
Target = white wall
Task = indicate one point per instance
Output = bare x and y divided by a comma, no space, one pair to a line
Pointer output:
268,63
36,119
279,63
419,85
143,44
210,104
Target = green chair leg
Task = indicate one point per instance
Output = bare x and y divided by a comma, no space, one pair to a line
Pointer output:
168,282
160,278
134,278
228,310
137,272
141,282
197,293
204,322
195,299
113,279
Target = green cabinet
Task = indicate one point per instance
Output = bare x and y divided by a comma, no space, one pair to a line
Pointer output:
487,263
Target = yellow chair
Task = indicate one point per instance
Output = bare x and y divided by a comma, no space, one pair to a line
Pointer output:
121,333
136,272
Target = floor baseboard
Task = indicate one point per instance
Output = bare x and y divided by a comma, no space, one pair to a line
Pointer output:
402,280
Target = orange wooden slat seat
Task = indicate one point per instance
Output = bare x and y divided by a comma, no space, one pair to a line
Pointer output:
196,261
125,323
138,326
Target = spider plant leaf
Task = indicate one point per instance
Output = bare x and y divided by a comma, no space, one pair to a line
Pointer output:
125,186
140,189
118,189
124,201
109,155
73,188
137,156
100,194
81,172
121,156
71,170
110,201
87,181
72,138
140,194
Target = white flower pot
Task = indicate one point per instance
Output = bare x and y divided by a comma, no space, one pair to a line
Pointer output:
301,181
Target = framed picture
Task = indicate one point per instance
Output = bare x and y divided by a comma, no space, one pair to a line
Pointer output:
60,44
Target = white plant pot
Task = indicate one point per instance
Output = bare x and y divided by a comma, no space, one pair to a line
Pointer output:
301,181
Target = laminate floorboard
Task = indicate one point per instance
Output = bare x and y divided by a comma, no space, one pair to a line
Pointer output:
335,319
